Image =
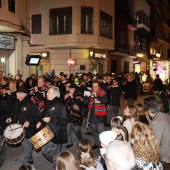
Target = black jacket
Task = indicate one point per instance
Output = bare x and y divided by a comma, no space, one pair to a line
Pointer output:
58,121
24,111
4,114
114,96
130,90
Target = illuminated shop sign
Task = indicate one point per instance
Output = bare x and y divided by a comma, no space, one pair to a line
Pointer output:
6,42
99,55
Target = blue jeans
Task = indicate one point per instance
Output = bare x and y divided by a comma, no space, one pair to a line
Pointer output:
50,151
113,111
27,147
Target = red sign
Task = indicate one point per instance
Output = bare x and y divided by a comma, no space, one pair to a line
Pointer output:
71,61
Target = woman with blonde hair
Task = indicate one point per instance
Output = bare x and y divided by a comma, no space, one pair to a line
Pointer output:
145,147
66,161
85,156
130,114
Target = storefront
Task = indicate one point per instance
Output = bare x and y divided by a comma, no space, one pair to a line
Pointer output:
6,48
160,67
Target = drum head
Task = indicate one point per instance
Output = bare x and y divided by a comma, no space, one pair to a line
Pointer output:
12,131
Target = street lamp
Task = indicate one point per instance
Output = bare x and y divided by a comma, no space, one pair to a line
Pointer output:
3,63
91,53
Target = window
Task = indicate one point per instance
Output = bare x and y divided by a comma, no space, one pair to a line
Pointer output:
11,5
142,18
86,20
36,24
61,20
105,25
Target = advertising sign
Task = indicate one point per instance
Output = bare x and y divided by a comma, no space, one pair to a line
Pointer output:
6,42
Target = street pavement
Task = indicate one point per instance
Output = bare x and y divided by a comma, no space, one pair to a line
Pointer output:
14,154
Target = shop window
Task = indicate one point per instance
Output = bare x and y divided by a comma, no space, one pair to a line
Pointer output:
105,25
36,24
86,20
61,20
11,5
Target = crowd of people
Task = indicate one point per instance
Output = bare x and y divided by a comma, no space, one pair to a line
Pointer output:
139,140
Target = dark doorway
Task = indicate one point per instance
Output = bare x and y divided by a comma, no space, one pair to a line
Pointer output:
113,66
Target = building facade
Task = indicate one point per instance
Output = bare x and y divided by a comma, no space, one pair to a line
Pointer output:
14,36
63,29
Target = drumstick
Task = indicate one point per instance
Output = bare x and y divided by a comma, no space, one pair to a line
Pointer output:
2,142
16,128
10,127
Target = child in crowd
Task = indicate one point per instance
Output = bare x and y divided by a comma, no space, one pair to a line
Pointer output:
66,161
86,159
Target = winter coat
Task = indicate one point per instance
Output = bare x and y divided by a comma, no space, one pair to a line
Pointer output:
57,113
24,111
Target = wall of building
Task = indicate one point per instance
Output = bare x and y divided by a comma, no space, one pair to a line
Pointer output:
59,46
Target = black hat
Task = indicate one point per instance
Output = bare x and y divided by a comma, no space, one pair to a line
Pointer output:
23,89
72,85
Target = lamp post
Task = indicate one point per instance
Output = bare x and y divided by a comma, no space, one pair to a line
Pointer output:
3,63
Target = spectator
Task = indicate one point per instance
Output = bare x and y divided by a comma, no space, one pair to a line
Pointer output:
130,114
145,147
116,121
120,156
157,84
113,100
52,73
141,114
66,161
130,90
161,128
85,156
26,166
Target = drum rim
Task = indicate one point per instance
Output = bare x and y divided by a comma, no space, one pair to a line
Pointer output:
13,138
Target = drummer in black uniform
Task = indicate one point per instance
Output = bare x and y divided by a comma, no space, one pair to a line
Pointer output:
54,116
26,114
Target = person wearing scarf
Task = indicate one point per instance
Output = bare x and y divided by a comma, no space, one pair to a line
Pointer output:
97,106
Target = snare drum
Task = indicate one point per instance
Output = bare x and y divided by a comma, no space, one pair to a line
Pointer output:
14,133
42,137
